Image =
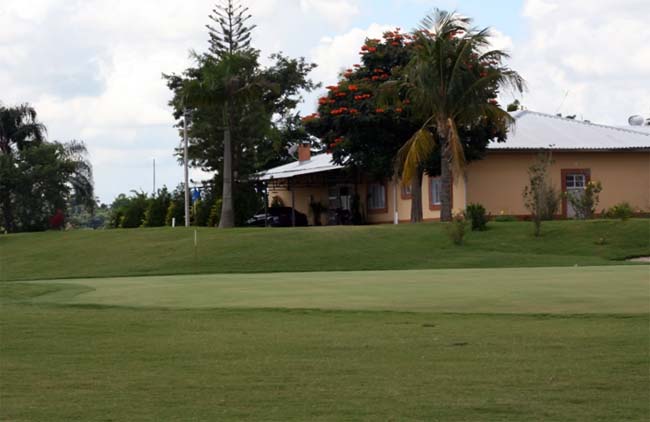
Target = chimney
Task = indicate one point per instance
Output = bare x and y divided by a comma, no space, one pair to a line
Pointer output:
304,152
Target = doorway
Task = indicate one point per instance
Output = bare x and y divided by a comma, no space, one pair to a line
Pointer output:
574,182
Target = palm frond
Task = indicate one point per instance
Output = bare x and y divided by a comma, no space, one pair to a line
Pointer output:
413,153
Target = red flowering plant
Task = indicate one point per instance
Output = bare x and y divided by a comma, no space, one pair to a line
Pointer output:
363,128
354,126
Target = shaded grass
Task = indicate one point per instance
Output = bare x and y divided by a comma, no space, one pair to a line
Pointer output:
63,364
170,251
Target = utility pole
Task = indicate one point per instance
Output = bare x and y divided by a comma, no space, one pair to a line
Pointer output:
154,177
187,185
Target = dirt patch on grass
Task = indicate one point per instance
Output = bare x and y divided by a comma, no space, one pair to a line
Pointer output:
645,259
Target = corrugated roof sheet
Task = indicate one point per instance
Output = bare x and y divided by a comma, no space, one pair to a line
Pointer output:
538,130
532,131
317,164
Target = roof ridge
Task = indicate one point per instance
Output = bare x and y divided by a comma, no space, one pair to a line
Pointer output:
582,122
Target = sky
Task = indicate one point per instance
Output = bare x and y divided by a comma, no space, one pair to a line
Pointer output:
92,68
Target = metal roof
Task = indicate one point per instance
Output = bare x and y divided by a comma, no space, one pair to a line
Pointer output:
532,131
317,163
538,130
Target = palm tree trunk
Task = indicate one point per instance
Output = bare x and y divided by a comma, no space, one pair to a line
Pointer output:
227,209
445,181
416,198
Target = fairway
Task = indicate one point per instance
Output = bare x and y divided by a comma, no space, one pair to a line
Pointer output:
569,290
506,344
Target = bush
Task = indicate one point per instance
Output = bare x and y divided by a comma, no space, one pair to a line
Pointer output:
156,212
622,211
585,204
456,229
477,215
540,197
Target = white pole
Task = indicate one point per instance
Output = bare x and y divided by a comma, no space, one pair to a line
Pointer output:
396,217
154,177
187,186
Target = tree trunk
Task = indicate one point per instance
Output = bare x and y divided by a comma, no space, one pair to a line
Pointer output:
227,208
445,181
416,198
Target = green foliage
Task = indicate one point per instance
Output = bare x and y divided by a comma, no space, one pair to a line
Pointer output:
37,177
133,212
584,204
622,211
456,229
215,213
540,197
157,208
233,33
453,81
478,216
201,213
253,106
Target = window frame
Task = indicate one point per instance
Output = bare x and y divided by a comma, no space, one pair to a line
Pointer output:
378,210
586,172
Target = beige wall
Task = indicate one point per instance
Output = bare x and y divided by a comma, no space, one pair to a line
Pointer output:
303,197
497,182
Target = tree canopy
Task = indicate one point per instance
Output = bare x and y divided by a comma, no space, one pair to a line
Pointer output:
39,179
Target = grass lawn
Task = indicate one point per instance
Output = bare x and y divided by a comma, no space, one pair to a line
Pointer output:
274,324
170,251
567,344
567,290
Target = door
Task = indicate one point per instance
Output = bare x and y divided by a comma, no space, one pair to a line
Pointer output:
574,183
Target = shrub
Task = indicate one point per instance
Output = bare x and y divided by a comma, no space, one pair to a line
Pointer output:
550,202
540,197
156,212
215,213
477,215
585,204
622,211
456,229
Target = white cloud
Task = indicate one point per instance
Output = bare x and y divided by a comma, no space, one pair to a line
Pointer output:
337,12
598,52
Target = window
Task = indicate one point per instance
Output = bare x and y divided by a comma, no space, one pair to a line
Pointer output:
377,197
575,180
406,192
434,191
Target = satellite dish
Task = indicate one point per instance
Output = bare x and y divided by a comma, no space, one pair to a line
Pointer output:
636,120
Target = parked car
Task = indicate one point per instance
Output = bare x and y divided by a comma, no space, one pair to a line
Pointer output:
277,217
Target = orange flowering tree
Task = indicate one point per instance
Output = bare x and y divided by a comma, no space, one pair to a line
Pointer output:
366,118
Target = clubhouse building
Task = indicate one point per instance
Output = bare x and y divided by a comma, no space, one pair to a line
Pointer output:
618,157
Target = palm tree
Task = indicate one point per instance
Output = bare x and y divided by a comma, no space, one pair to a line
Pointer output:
452,79
224,84
19,129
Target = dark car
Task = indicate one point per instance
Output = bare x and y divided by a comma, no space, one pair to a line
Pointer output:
277,217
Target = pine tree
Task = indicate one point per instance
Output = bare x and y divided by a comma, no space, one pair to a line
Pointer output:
233,35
